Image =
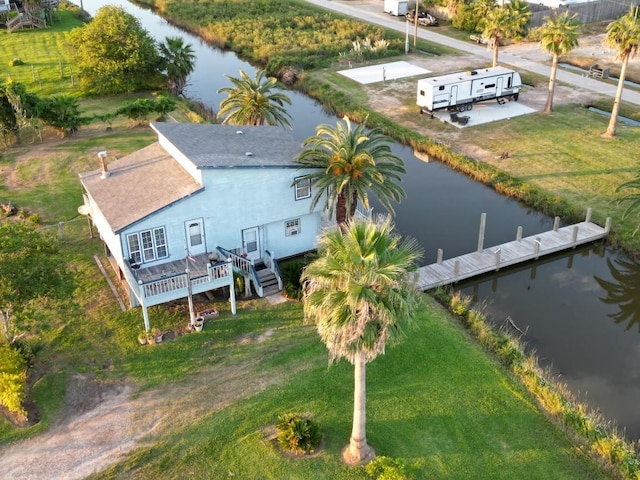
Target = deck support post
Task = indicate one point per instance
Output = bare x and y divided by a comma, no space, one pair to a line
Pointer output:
145,315
556,223
232,290
588,217
498,251
574,234
519,234
439,256
483,222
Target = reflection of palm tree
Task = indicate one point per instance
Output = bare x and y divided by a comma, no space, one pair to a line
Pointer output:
624,292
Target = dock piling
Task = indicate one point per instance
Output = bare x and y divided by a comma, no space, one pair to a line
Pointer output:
483,222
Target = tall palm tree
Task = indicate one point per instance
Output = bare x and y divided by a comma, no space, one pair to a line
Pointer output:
559,37
349,163
506,21
358,292
253,102
178,61
624,36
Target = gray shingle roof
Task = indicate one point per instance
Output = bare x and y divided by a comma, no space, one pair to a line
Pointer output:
138,185
215,146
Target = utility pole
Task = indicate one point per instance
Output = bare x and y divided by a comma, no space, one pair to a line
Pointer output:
415,32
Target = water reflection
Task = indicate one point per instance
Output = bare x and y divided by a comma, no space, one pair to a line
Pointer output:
624,291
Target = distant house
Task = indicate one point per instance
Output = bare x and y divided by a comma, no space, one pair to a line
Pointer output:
207,198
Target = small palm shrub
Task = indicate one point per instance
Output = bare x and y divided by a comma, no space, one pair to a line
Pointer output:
291,273
297,433
15,62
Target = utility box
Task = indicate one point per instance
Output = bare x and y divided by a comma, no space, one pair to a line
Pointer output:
396,7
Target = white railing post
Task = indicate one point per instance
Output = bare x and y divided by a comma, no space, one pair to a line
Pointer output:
439,256
588,217
519,234
498,252
574,234
556,223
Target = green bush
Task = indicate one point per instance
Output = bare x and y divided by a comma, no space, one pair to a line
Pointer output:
15,62
291,273
13,376
298,434
385,468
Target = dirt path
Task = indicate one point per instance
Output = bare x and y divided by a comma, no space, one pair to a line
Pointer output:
102,423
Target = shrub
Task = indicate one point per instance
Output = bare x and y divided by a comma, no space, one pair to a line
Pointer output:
15,62
13,376
385,468
298,434
291,273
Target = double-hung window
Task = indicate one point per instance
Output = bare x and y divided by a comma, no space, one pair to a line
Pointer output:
303,188
147,245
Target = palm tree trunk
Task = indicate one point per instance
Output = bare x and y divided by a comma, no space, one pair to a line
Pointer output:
611,129
358,452
496,44
552,85
341,210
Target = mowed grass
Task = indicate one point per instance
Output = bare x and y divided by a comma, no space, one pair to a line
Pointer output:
436,401
43,53
565,155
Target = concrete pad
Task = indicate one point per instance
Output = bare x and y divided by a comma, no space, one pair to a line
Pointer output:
382,72
486,112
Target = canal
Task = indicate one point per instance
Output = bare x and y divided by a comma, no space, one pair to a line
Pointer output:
580,310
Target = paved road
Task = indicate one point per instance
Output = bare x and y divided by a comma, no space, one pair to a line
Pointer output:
372,12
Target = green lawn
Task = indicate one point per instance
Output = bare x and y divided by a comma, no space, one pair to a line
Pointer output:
43,53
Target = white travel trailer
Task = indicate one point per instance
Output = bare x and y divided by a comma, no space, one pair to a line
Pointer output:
459,91
396,7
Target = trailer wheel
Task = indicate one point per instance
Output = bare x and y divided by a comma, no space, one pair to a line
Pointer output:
515,96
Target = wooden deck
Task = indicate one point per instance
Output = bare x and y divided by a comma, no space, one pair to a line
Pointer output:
511,253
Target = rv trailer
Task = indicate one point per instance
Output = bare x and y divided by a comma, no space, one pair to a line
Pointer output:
459,91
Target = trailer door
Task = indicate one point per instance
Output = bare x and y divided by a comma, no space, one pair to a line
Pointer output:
499,86
453,99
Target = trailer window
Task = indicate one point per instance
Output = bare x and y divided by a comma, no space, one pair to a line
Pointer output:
491,85
422,93
509,82
441,87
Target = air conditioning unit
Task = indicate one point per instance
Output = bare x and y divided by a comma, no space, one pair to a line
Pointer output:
293,231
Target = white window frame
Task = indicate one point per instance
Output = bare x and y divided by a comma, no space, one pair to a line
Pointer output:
147,245
302,188
292,227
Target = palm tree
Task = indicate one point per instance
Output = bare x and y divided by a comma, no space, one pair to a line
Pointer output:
624,36
507,21
359,294
559,37
178,61
252,101
349,163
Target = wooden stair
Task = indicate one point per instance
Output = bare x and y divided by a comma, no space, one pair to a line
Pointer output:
25,20
268,280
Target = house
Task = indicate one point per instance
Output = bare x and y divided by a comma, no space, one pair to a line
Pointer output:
180,215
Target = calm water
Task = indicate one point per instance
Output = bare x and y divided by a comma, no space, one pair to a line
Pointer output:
580,311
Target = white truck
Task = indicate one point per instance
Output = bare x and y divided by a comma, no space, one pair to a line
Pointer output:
457,92
396,7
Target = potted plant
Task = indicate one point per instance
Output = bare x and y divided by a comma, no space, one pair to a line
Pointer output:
198,323
157,334
142,337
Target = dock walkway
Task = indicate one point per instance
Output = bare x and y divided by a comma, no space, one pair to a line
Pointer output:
511,253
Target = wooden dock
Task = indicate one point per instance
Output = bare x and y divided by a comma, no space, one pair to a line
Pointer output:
520,250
